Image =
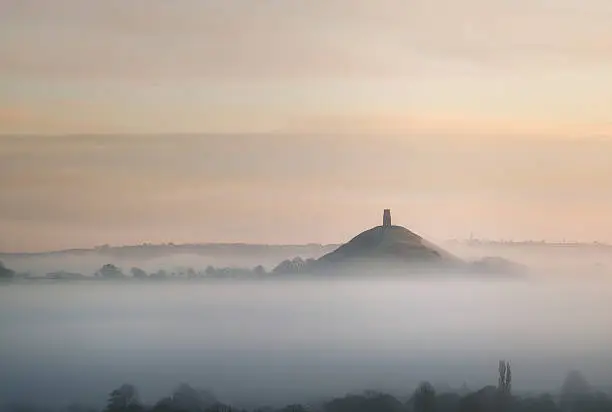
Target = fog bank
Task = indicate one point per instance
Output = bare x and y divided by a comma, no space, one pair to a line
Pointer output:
275,342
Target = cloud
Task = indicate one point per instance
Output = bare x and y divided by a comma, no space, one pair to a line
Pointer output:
15,117
294,39
192,66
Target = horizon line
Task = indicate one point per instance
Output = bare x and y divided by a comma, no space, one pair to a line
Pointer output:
548,242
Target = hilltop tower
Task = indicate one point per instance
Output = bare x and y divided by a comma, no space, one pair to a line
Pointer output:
387,218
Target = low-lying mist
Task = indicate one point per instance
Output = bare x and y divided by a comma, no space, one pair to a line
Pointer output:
275,342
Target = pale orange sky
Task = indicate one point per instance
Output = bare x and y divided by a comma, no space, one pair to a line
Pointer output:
341,100
59,192
71,66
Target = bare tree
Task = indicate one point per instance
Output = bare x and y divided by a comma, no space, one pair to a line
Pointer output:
123,398
139,273
501,382
425,398
504,397
110,271
575,387
508,378
6,273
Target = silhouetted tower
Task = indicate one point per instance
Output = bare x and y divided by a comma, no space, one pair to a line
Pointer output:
387,218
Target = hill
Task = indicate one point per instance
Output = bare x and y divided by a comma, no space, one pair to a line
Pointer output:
392,245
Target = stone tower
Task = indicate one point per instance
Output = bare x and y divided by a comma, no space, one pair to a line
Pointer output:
387,218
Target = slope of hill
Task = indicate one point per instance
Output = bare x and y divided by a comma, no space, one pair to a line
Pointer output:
391,245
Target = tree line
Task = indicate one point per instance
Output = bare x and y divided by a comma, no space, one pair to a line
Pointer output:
110,271
576,395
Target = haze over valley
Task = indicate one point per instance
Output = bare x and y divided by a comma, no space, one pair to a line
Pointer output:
305,206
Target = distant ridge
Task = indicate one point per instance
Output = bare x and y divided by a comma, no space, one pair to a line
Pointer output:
170,248
530,243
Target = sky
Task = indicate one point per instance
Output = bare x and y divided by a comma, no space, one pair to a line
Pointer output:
297,121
